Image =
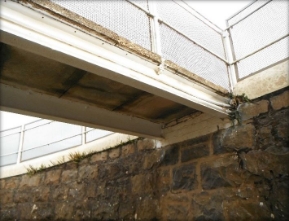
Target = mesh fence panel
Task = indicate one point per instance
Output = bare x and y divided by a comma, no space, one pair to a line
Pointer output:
264,58
119,16
10,143
8,159
142,3
192,57
50,133
186,23
261,28
51,148
94,134
255,5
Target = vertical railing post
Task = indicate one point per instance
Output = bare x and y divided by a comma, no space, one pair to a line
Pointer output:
231,56
21,142
156,34
156,38
83,135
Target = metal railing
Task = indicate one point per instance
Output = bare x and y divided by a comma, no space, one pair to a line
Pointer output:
43,137
171,29
259,35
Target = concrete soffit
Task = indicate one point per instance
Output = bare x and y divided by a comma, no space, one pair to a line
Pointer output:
41,34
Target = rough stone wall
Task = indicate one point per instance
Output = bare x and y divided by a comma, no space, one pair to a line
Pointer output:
240,173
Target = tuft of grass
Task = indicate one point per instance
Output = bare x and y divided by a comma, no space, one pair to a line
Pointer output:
33,170
77,156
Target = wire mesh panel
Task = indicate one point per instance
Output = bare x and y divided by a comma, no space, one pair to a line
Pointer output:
9,144
185,53
93,134
185,22
49,138
142,3
266,26
120,16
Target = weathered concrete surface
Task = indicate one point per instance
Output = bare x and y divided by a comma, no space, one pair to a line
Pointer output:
236,173
30,72
264,82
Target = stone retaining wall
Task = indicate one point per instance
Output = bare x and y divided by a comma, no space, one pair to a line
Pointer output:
240,173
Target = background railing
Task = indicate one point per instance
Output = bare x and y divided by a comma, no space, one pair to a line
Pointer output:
260,36
43,137
170,28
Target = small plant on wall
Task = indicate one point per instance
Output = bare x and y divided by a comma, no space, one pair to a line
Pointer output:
235,101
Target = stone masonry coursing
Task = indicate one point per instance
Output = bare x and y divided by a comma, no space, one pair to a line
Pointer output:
239,173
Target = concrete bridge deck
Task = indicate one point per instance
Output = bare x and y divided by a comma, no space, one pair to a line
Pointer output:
54,66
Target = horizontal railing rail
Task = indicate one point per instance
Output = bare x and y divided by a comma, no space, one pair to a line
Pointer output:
13,153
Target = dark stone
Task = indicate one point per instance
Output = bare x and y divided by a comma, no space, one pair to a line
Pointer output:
146,208
247,210
41,194
163,180
265,164
208,206
238,138
175,212
218,147
194,141
212,178
170,155
184,177
194,152
279,198
127,208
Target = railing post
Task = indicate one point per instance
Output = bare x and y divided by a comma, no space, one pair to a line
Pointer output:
155,30
231,56
21,144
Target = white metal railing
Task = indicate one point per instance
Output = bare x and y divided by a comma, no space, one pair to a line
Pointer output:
43,137
164,27
259,36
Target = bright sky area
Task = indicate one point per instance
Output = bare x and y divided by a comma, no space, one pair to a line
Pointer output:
216,11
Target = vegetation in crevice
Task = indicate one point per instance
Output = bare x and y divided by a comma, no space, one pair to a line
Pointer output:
235,101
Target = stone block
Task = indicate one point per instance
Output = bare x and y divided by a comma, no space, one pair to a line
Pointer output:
98,157
280,101
68,176
145,144
170,155
194,152
250,110
164,180
221,172
142,184
11,183
6,197
146,209
247,210
185,177
175,212
114,153
60,193
87,173
41,194
42,211
279,197
25,210
127,208
52,177
153,159
266,164
31,181
64,211
22,196
127,149
238,137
